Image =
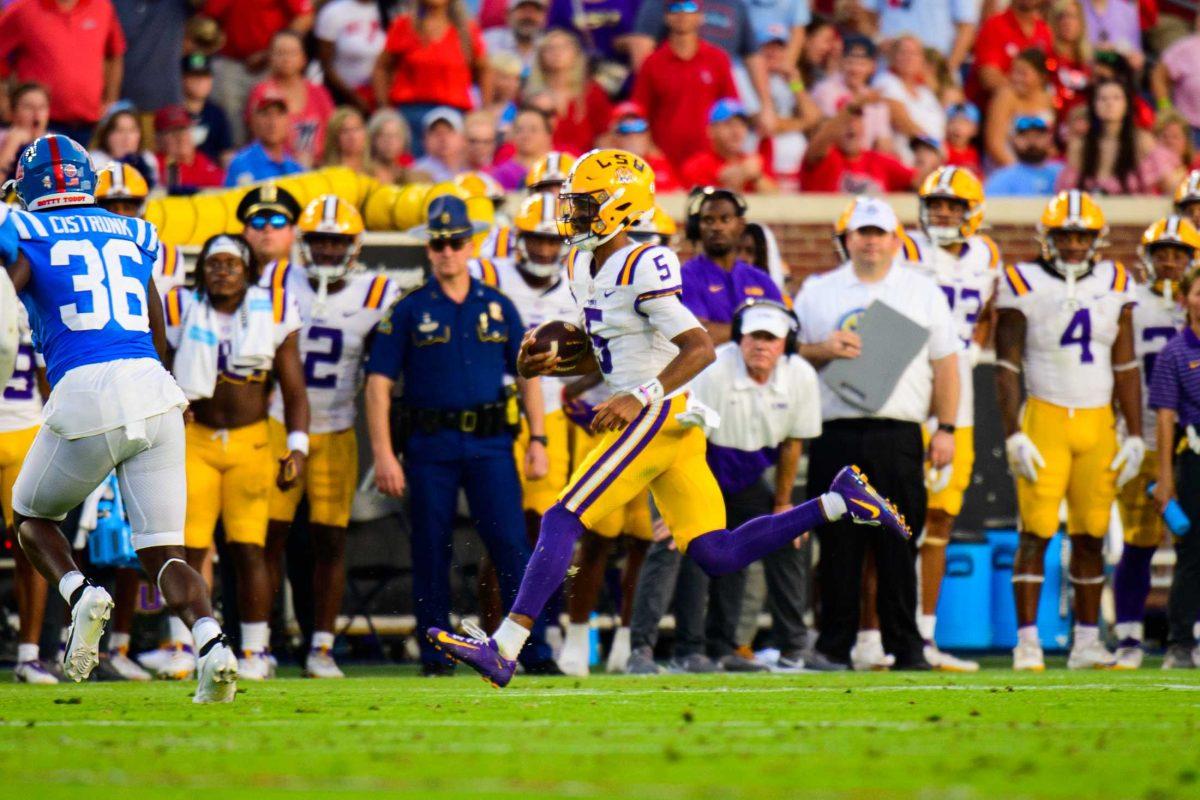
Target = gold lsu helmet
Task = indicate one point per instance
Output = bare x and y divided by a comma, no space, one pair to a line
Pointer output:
536,218
1072,210
606,192
657,227
121,183
480,184
549,172
953,183
1170,231
331,232
1187,192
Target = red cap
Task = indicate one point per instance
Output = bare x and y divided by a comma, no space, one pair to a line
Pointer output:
170,118
269,98
627,109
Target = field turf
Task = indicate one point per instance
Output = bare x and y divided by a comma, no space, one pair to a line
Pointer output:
388,733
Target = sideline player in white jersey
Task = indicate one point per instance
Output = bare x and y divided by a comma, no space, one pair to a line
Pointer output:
545,177
20,417
1066,322
964,263
1169,250
340,306
121,189
86,278
648,347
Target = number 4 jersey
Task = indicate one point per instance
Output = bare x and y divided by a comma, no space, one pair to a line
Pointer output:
631,310
1068,341
332,340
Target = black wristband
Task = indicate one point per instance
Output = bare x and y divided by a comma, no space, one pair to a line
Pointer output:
947,427
542,440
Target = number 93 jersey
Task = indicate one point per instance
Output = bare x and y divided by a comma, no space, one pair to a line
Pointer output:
20,402
631,310
87,294
1156,320
332,340
1068,342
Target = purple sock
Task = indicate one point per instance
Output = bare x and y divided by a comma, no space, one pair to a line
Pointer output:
550,560
1131,582
722,552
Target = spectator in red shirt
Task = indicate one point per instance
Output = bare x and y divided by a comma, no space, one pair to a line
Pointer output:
1000,38
560,70
631,132
182,168
431,57
729,164
1068,60
309,105
836,160
30,104
962,126
679,82
72,47
249,26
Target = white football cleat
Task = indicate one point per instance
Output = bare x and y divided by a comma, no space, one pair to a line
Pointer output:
1027,656
176,662
253,666
573,663
944,662
89,613
217,673
272,663
1129,657
34,672
126,667
1091,656
870,657
618,654
320,664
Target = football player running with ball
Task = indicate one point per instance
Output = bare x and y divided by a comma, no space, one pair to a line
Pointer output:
648,346
85,274
964,263
1066,322
1170,249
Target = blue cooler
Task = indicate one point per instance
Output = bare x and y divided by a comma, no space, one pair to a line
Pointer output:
964,607
1054,610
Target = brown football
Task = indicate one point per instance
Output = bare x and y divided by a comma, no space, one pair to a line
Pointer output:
565,339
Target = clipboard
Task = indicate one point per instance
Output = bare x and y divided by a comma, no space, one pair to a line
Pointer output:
890,342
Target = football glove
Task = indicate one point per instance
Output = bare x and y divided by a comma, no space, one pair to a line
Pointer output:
1193,439
938,479
1129,459
698,415
1023,456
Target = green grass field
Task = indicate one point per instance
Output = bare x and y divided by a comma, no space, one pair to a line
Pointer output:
389,733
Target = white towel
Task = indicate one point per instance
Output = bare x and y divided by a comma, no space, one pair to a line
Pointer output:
253,345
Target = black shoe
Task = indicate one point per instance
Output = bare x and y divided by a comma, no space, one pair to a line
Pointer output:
437,669
817,661
547,667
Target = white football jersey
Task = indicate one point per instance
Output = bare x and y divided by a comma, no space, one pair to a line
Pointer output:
968,280
21,401
332,342
1155,321
1068,343
500,242
535,306
631,310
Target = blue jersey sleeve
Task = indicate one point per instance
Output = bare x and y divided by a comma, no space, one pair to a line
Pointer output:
390,343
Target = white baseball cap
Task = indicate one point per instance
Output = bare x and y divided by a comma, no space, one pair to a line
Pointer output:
871,212
767,318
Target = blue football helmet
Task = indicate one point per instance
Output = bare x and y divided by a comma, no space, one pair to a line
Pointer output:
55,171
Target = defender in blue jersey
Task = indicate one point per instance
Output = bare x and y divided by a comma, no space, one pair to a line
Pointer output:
84,275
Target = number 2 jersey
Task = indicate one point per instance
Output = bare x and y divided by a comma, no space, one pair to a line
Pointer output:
968,279
1068,343
1156,320
332,340
535,306
86,299
631,310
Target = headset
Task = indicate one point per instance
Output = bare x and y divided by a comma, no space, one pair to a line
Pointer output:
696,198
790,342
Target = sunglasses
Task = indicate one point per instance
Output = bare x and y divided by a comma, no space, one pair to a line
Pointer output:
261,221
1030,124
633,125
438,245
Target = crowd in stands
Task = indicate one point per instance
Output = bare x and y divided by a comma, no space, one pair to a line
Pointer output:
754,95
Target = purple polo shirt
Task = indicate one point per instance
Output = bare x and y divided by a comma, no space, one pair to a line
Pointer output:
713,294
1176,380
